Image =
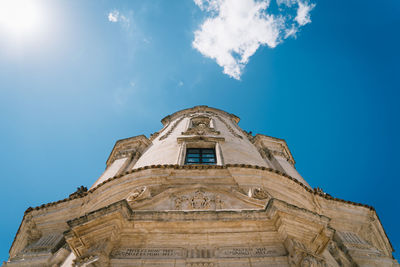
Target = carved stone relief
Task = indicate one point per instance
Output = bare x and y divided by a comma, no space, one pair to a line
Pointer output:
259,193
200,125
198,200
138,194
312,261
299,255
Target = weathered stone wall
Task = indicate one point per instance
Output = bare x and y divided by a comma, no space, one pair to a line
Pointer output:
250,209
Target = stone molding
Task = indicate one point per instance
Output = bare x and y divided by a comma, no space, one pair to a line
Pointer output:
271,146
194,139
172,128
198,197
230,129
128,147
198,109
109,221
204,167
236,167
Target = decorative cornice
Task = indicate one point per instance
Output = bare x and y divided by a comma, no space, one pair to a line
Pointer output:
282,150
202,167
317,192
171,117
200,138
266,212
230,129
123,147
172,128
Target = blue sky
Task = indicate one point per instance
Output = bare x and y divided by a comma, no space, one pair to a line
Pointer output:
83,74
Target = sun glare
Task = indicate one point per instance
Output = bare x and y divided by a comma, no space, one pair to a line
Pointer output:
20,17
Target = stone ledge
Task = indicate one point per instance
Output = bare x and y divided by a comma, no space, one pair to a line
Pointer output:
201,167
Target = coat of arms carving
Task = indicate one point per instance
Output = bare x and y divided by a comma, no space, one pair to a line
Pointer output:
201,125
198,200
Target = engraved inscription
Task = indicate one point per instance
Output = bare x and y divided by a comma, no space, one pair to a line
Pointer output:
179,253
248,252
148,253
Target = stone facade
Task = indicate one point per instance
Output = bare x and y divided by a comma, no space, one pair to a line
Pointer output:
250,208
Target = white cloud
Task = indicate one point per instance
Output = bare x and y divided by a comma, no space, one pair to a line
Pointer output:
303,13
289,3
291,32
235,29
115,16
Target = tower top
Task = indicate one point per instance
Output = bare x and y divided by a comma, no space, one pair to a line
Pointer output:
201,108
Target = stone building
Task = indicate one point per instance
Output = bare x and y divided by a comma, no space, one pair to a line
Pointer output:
201,192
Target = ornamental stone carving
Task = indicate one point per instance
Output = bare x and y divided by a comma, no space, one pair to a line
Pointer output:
230,129
300,255
200,125
172,128
138,194
198,200
312,261
339,255
128,148
259,193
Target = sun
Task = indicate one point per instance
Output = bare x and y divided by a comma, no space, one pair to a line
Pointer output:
20,16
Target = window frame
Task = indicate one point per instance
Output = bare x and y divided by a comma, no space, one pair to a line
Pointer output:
200,156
